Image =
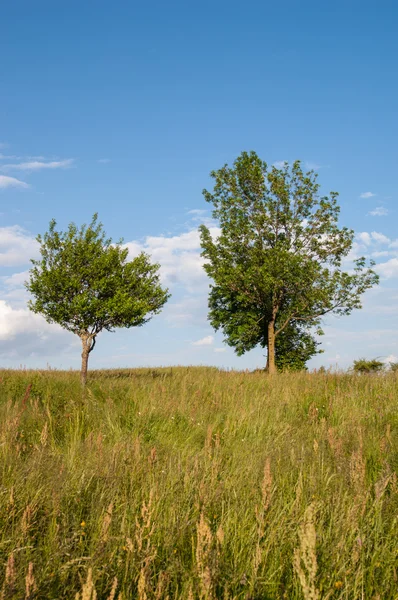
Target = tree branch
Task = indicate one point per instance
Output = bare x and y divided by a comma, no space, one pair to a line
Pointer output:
92,345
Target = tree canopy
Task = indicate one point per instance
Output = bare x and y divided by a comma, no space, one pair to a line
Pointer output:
277,264
86,284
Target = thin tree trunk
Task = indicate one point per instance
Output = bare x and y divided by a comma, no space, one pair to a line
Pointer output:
271,367
85,353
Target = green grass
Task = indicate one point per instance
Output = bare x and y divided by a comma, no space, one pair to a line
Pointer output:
194,483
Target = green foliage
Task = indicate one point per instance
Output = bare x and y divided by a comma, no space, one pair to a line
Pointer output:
368,366
192,478
294,347
85,283
278,257
394,367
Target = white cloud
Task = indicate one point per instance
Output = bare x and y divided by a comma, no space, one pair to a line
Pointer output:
206,341
364,237
15,321
24,334
104,161
197,212
220,349
380,238
314,166
388,269
185,241
38,165
379,211
178,256
367,195
15,280
17,246
279,164
11,182
190,310
394,244
374,237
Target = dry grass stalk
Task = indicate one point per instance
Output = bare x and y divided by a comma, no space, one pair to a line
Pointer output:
144,527
394,484
161,586
190,594
26,520
304,560
207,557
30,583
143,540
266,493
99,443
107,520
335,443
152,457
9,579
25,399
220,536
313,413
137,448
11,573
385,443
11,500
356,551
142,585
209,441
44,435
299,491
88,589
112,594
357,469
381,485
266,487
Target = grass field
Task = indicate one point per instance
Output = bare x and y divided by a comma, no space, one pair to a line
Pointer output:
195,483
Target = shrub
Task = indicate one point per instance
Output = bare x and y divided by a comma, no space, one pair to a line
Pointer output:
368,366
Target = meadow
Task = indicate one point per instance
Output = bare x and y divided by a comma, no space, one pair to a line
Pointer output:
196,483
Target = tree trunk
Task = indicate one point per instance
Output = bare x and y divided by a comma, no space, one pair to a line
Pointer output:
271,367
85,353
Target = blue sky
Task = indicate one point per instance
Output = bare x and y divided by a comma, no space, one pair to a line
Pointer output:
124,108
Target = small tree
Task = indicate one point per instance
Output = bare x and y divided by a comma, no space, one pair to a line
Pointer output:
84,283
277,260
362,365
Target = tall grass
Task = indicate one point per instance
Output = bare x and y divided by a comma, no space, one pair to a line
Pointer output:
192,483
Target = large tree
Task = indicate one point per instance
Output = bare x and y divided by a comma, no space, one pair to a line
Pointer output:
86,284
277,263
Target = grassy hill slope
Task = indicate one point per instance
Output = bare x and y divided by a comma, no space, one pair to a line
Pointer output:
193,483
